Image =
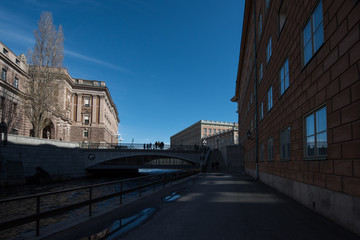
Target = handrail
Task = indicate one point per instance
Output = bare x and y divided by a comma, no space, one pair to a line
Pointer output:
164,178
74,189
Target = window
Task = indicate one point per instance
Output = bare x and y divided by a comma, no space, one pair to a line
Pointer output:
316,134
270,149
270,99
260,72
86,133
251,98
268,51
86,119
5,51
282,14
86,102
210,130
3,74
260,25
16,82
284,76
17,61
267,4
313,34
262,152
205,130
285,144
214,131
261,111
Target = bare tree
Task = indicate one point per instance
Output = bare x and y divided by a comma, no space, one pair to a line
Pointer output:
10,115
45,62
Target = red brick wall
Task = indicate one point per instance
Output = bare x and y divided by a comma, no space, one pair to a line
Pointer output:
331,78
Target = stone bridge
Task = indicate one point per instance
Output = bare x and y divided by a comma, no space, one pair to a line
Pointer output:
101,159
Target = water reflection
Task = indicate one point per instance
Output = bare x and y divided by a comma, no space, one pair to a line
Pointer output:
121,226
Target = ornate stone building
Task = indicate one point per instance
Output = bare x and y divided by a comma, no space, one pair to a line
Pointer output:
87,111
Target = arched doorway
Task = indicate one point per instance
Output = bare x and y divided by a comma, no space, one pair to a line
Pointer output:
49,131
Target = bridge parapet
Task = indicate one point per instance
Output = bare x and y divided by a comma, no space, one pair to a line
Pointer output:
141,146
99,156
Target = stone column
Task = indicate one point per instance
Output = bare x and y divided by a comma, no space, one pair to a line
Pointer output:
78,111
93,109
102,109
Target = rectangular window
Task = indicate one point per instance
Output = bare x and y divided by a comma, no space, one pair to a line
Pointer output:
86,102
282,15
316,134
86,119
5,51
16,82
210,130
261,114
270,99
313,34
205,130
268,51
285,144
17,61
260,72
3,74
261,152
270,149
86,133
267,4
284,76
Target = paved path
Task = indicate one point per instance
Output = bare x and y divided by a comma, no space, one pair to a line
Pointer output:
216,206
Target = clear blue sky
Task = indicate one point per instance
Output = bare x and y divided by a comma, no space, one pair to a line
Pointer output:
167,63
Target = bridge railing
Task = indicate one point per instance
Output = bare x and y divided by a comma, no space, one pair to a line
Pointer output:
89,197
142,146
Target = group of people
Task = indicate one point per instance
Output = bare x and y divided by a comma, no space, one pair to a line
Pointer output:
157,145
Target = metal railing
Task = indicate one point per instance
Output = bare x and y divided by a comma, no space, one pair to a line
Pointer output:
142,146
141,184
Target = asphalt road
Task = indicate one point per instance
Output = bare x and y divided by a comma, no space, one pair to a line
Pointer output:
212,206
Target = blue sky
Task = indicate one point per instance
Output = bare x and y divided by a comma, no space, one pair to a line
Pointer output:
167,63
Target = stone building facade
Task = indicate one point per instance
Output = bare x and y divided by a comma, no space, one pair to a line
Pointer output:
196,133
87,111
224,138
298,96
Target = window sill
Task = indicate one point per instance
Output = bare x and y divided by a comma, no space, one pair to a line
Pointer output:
285,160
322,158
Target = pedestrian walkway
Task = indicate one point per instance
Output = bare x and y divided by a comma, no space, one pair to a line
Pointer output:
213,206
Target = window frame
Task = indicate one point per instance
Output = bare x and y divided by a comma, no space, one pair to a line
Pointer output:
268,98
87,99
16,82
305,136
85,133
3,74
288,151
270,149
283,70
268,50
86,119
261,149
310,20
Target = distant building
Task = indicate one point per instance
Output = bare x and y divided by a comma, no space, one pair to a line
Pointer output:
88,111
225,138
298,96
196,133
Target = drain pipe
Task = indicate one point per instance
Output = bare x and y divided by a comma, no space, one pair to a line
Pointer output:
256,97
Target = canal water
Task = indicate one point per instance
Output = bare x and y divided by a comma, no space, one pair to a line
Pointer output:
15,210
